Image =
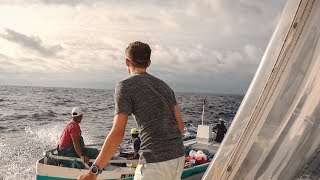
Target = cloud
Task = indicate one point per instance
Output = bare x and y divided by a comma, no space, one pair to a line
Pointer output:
3,57
253,53
33,43
69,2
200,67
207,45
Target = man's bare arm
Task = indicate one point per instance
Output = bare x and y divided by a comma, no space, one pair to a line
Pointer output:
178,117
76,144
77,148
113,140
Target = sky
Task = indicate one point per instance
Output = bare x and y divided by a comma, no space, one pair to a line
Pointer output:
197,45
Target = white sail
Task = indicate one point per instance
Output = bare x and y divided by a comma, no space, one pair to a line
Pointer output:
275,132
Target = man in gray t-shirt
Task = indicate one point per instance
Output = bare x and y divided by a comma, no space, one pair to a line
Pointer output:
153,104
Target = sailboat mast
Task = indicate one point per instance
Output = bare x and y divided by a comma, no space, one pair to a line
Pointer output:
203,104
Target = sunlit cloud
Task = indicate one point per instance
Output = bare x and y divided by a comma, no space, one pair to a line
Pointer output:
33,43
205,46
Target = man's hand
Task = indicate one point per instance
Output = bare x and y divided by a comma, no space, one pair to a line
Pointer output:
88,176
85,159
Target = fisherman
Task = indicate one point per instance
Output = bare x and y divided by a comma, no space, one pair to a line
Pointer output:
136,142
154,106
220,130
136,145
71,142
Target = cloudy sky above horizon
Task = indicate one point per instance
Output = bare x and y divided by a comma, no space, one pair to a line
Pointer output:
197,46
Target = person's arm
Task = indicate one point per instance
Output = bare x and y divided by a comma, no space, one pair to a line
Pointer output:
178,117
76,144
215,128
110,145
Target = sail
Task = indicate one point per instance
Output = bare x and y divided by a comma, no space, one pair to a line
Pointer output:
274,134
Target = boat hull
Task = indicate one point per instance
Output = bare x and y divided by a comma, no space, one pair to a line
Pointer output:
51,172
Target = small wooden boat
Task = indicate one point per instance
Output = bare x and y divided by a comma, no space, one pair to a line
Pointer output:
48,169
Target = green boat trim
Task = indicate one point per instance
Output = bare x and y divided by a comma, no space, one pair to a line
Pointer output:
39,177
186,173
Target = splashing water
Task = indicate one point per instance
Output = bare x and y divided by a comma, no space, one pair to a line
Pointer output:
20,150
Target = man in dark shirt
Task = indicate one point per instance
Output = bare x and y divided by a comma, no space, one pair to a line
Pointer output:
220,130
136,142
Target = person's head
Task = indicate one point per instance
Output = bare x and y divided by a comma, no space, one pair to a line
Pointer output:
221,121
138,55
77,114
134,132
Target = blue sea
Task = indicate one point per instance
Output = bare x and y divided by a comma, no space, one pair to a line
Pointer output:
32,120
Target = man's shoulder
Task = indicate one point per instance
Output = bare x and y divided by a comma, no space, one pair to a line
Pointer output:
127,80
135,80
72,124
155,78
159,81
123,82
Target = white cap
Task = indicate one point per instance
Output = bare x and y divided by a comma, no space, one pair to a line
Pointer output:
77,111
221,119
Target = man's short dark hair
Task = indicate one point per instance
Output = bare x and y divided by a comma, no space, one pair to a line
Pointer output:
139,54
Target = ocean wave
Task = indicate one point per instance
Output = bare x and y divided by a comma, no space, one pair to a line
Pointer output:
15,116
62,102
3,129
35,118
43,115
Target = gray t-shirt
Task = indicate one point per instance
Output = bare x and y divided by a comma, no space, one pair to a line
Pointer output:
151,101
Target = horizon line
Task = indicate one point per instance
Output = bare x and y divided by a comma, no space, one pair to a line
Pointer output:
96,88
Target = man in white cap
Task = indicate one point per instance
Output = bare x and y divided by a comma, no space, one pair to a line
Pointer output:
71,142
221,130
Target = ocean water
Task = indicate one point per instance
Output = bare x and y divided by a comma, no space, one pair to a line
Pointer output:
32,120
